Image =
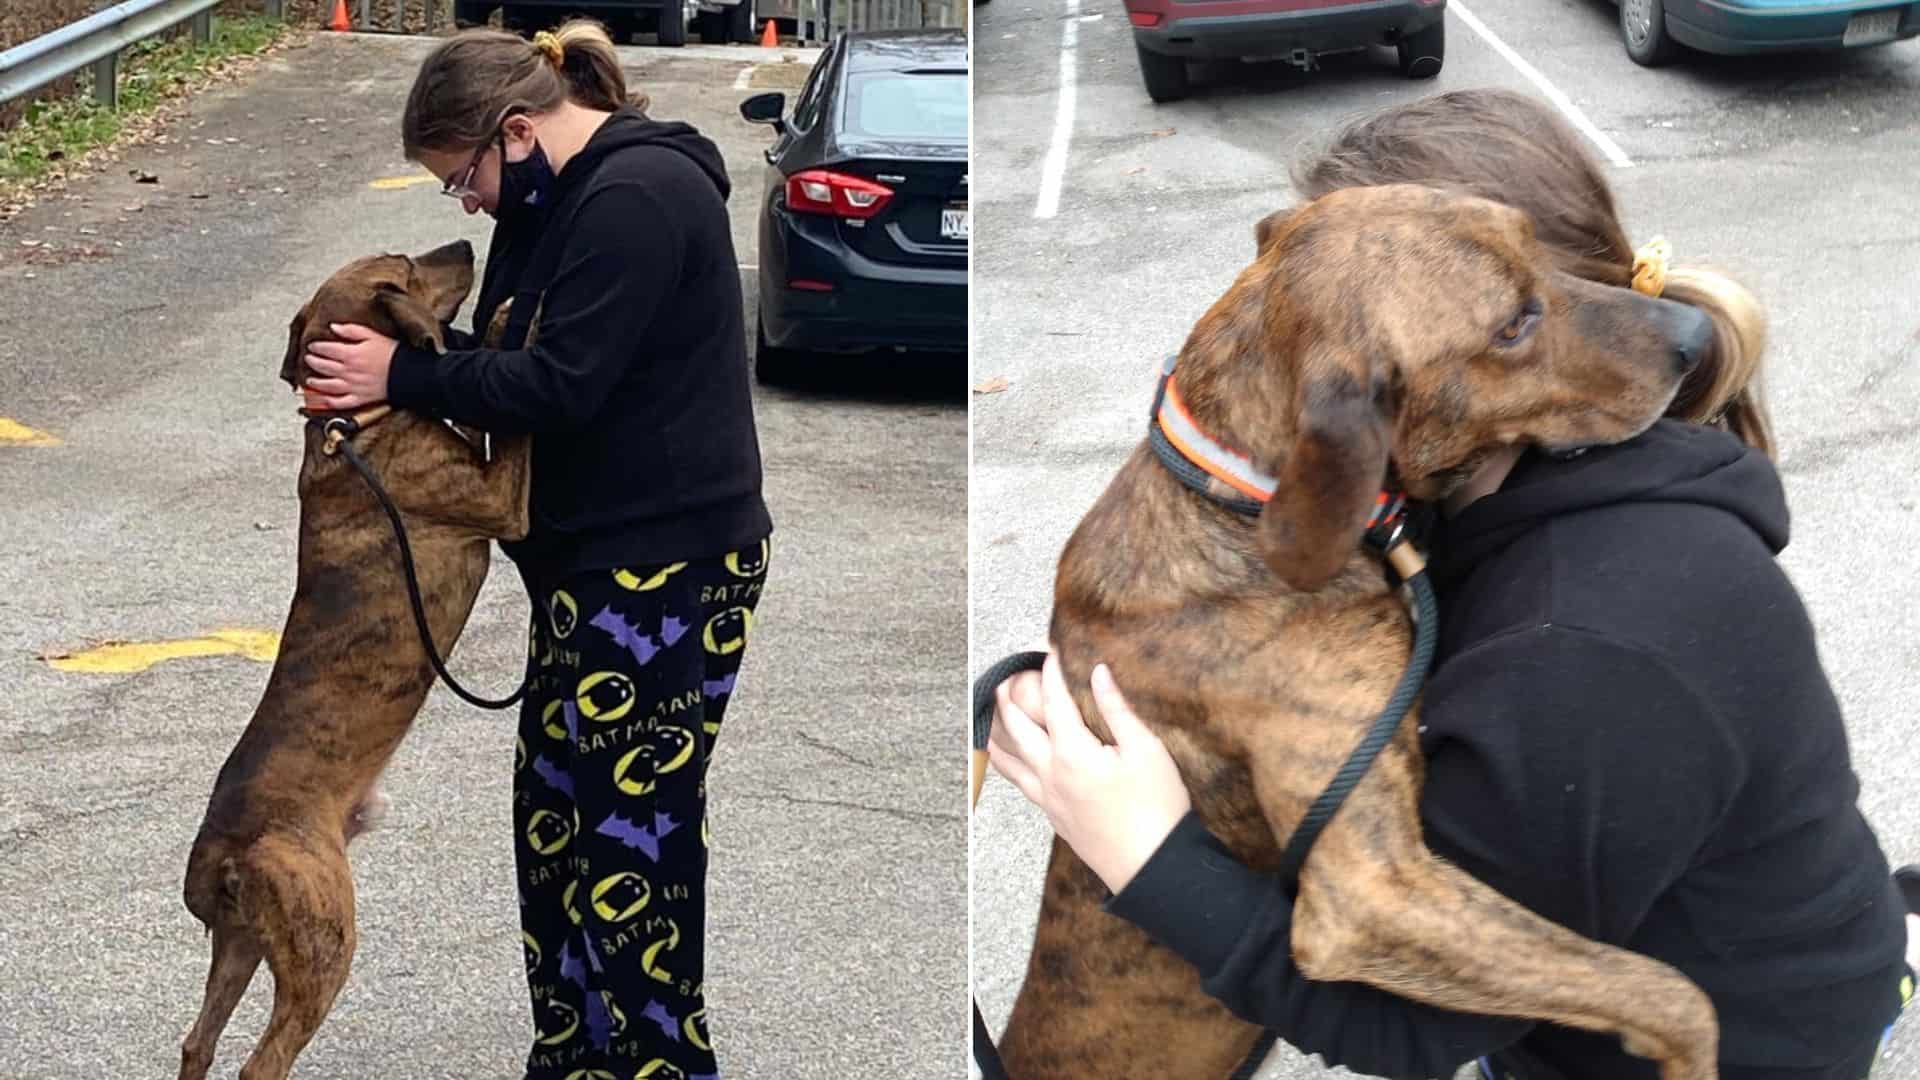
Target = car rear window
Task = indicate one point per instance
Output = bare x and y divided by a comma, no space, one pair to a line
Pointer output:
908,104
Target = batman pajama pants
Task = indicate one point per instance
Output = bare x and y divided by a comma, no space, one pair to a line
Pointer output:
632,670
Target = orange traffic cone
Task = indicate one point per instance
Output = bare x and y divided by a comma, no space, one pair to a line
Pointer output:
340,20
769,37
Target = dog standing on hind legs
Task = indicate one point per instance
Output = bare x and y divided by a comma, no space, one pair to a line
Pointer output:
1387,333
268,875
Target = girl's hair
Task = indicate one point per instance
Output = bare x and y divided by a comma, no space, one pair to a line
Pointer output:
479,77
1507,147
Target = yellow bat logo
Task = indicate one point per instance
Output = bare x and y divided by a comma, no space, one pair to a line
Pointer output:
548,832
604,696
553,719
748,563
635,770
627,579
591,1074
649,960
532,949
613,1010
658,1069
726,632
617,898
563,613
566,898
566,1022
519,753
695,1025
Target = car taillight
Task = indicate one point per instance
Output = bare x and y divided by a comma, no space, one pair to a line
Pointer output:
822,191
1144,18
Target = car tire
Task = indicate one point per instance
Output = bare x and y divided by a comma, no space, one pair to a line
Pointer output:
1643,30
1165,76
711,27
1423,53
672,30
467,14
738,20
772,365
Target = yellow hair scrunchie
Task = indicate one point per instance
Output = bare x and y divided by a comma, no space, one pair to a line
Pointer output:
1650,266
551,47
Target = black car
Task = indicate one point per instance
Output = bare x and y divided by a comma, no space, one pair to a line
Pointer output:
718,21
864,227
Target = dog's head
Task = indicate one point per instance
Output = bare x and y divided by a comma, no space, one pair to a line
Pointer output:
404,298
1401,326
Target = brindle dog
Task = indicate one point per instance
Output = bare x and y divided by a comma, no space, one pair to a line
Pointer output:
1386,329
268,875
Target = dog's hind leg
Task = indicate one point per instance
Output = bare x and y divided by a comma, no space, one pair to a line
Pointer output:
309,935
236,956
1101,1000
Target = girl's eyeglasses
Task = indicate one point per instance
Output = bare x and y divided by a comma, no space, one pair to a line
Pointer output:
461,187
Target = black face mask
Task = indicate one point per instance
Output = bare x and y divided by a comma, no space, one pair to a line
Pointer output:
525,186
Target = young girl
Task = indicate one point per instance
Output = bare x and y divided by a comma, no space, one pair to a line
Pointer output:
648,548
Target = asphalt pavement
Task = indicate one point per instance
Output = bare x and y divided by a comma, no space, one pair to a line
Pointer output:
142,323
1795,174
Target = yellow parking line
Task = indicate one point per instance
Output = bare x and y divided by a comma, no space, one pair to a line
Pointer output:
15,434
122,657
396,183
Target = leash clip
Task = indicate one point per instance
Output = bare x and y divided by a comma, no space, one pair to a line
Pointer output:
337,429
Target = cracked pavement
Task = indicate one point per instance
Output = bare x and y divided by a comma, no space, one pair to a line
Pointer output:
143,324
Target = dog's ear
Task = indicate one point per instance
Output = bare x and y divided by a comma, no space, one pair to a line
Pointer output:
1328,477
416,322
442,278
1268,229
292,366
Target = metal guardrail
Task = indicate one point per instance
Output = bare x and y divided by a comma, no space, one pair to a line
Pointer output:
98,40
818,21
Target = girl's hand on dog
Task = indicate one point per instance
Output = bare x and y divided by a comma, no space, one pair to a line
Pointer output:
1113,805
351,371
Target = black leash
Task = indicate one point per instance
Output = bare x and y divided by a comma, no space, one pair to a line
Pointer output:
1294,856
1385,536
346,428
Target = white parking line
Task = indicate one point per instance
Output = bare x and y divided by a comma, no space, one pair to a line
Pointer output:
1565,104
1054,169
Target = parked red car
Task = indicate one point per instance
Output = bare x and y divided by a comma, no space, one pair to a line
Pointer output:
1169,33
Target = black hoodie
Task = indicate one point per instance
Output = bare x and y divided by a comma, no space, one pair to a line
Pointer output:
637,388
1629,731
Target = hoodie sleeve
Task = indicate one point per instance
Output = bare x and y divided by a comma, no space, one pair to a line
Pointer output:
1616,770
621,261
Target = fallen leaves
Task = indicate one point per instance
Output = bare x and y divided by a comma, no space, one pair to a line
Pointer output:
993,385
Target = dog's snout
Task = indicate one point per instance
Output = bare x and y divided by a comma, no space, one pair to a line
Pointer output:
1689,333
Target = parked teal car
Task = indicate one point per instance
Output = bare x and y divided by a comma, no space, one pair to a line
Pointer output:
1655,30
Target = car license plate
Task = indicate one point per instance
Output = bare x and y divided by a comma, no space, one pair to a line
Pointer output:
1871,28
956,223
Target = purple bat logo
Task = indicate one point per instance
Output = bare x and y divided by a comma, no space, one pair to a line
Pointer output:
571,714
629,636
571,969
646,839
593,958
556,779
599,1023
713,688
641,644
669,1023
